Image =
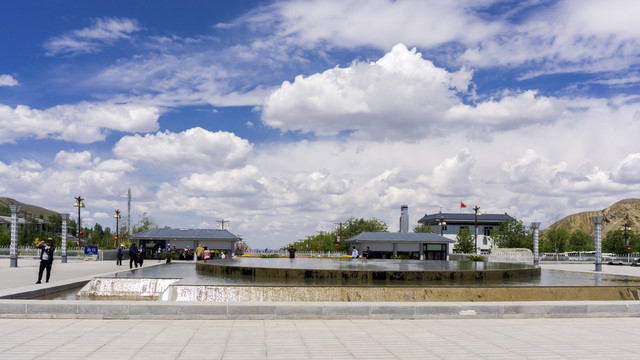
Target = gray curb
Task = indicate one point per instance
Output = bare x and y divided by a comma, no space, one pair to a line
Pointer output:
82,309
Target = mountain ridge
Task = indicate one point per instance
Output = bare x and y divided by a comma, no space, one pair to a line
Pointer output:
33,210
614,218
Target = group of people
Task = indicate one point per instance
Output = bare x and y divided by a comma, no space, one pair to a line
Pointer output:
354,253
203,253
365,254
136,255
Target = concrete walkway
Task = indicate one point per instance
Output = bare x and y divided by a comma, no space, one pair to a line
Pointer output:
495,338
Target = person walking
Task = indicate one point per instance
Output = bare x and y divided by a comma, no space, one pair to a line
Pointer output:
119,254
46,258
354,253
200,252
367,253
207,253
133,255
141,255
158,252
292,252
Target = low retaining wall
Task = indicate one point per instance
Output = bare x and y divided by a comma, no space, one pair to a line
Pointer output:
148,310
365,294
364,276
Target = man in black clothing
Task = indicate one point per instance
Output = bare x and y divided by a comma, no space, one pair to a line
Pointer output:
119,254
46,258
133,255
292,252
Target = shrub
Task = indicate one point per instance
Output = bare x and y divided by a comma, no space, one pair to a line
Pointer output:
475,258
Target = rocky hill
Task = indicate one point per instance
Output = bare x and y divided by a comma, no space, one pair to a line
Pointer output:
614,218
32,210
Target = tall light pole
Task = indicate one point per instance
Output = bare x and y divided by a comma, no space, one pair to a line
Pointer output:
476,213
442,224
536,256
627,227
13,250
79,204
339,227
598,241
65,218
221,222
117,216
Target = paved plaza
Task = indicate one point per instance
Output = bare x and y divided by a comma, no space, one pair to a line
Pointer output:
535,338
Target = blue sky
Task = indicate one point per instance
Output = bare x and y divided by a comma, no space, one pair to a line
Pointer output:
285,117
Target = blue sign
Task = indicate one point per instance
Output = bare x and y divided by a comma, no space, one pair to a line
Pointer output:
91,250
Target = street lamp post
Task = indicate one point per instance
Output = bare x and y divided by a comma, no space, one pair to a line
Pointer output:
536,256
117,216
13,250
339,227
79,204
627,227
221,222
442,224
476,213
598,241
65,218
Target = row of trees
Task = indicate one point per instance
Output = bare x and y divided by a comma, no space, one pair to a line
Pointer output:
510,234
514,234
328,241
96,235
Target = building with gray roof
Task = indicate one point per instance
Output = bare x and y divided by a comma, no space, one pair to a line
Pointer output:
424,246
453,222
214,239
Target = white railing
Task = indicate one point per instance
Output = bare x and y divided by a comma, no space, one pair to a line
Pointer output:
33,251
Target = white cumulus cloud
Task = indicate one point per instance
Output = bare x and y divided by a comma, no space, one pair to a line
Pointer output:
7,80
401,95
83,123
194,147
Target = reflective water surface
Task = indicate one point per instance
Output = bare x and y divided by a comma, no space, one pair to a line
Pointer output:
189,276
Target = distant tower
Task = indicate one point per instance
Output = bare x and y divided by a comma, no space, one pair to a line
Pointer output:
404,218
129,211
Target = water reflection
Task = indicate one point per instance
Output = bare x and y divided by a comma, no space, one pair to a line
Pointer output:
189,276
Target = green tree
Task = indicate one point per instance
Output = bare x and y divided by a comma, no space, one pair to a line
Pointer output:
464,242
5,237
54,222
512,234
327,241
30,231
145,222
614,242
422,228
355,226
555,240
580,241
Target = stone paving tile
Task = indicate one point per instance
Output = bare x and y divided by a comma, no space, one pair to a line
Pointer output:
341,339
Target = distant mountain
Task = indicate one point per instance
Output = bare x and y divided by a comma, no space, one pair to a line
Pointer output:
614,218
33,210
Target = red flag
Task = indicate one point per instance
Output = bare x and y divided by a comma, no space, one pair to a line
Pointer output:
462,205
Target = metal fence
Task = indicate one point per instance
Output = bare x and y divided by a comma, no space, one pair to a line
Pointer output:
34,252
